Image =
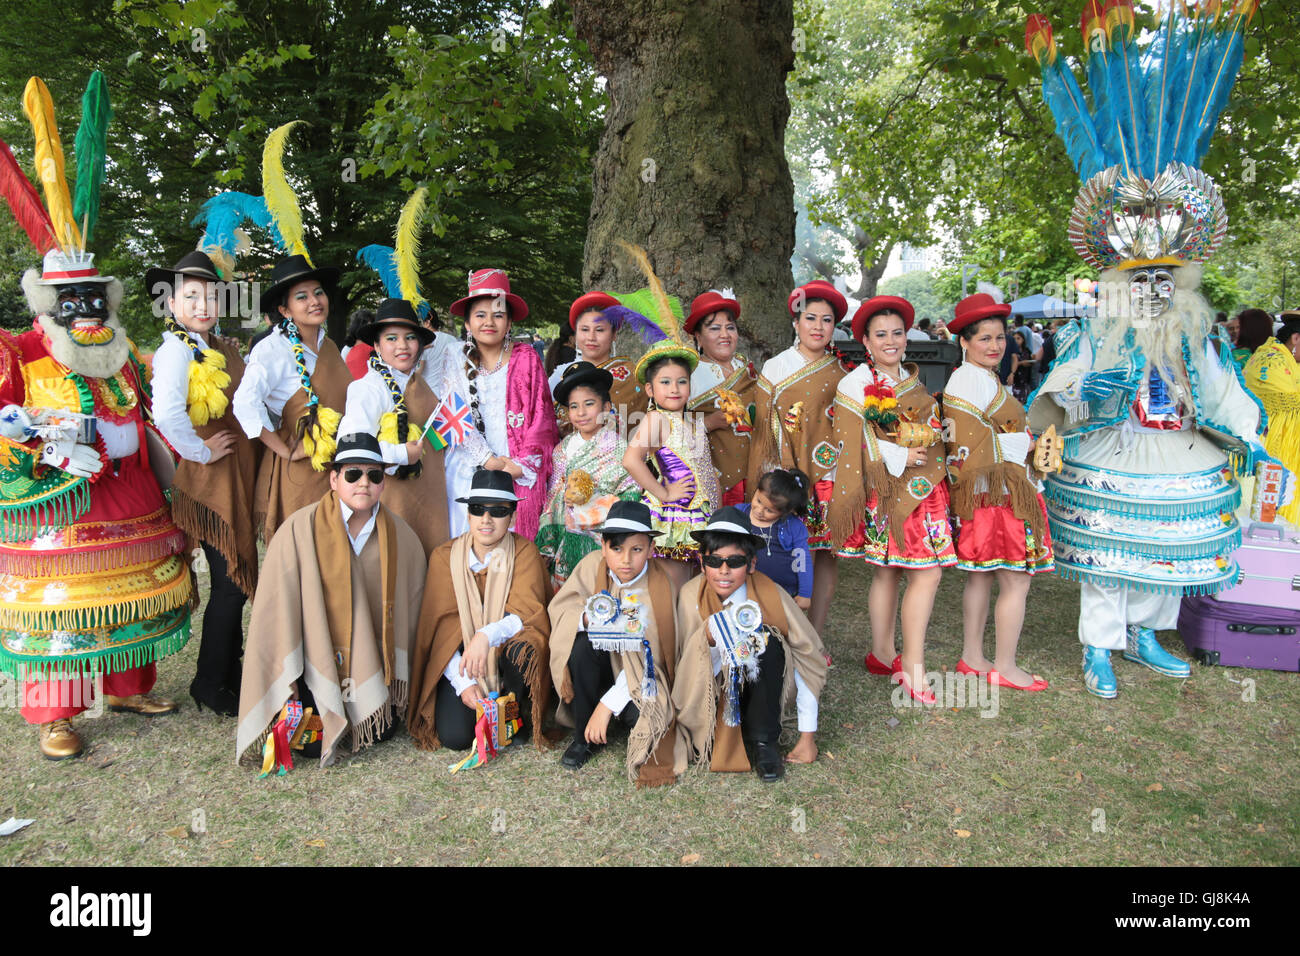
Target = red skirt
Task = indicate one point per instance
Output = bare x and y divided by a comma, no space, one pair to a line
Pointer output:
995,539
927,536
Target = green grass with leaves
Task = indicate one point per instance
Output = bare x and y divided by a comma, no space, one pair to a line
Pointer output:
1170,773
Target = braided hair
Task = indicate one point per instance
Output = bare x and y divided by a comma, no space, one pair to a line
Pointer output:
399,408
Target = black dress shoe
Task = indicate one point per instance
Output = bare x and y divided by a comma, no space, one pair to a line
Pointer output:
768,763
221,701
579,753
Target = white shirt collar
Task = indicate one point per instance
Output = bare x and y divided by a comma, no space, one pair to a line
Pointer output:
620,584
475,565
739,596
363,535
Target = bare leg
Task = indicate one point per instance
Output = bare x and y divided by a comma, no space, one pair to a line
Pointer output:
1008,618
679,572
918,602
826,573
975,615
805,751
882,605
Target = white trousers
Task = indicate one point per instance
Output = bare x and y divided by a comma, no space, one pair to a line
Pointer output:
1106,612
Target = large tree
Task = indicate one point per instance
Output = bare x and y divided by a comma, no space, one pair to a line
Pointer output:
692,163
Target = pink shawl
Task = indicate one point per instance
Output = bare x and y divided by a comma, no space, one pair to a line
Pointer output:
531,431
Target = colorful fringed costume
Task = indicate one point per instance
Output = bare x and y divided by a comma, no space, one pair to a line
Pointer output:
93,576
587,476
730,391
1142,511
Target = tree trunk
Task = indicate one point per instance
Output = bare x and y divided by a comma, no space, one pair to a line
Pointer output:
872,266
692,161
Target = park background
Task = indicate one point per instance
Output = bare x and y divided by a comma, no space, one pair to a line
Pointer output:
745,144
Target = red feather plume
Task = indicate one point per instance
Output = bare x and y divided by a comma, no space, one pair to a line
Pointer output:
25,202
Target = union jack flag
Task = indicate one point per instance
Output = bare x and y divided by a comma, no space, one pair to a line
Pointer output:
452,419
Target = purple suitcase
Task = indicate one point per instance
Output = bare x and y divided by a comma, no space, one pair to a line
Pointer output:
1238,636
1269,559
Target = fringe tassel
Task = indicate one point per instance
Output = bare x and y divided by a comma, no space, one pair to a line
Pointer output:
1077,497
515,651
1082,539
1083,576
101,615
64,562
98,662
204,524
20,523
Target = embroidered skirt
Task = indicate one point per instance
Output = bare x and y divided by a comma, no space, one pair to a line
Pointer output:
819,532
994,539
927,536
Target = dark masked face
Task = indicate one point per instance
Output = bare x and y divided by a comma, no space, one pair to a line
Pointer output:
82,309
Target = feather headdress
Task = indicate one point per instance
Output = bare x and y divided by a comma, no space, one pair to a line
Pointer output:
25,203
39,107
91,146
222,217
651,317
279,196
398,265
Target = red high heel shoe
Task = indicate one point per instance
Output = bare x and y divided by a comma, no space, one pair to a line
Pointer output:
925,697
875,666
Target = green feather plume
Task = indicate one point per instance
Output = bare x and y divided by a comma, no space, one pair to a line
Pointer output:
406,245
280,198
91,147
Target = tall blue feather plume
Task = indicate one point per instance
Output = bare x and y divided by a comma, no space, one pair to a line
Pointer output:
1074,124
225,212
1228,52
1166,65
383,259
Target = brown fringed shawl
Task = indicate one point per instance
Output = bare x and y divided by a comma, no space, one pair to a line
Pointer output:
862,468
343,622
730,448
657,751
214,502
806,439
285,486
458,602
981,478
724,748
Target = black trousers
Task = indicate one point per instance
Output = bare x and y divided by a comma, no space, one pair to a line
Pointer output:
221,647
760,700
455,721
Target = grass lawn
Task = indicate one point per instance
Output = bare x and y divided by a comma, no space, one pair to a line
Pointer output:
1172,772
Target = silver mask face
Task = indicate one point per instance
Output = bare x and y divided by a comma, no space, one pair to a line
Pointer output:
1151,291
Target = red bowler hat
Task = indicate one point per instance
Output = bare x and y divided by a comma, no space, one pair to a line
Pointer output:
490,283
585,303
708,303
981,305
819,289
882,303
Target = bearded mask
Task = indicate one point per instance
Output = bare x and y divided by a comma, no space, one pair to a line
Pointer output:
76,308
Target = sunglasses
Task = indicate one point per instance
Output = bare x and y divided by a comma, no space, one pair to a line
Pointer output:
353,475
496,511
731,560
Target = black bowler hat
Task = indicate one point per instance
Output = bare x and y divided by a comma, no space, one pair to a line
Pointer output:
628,517
359,448
394,312
490,487
288,273
582,373
193,265
730,520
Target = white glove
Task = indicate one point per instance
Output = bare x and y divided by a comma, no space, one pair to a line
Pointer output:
15,423
76,459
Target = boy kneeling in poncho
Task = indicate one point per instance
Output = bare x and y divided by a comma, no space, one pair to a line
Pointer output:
747,649
614,652
333,619
483,633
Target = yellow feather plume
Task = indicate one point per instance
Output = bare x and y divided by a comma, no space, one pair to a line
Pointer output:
280,198
39,107
667,320
206,398
406,247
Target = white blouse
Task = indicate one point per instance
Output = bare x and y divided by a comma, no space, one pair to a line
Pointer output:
270,380
368,401
171,389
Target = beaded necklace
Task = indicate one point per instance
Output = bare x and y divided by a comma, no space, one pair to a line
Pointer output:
399,408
